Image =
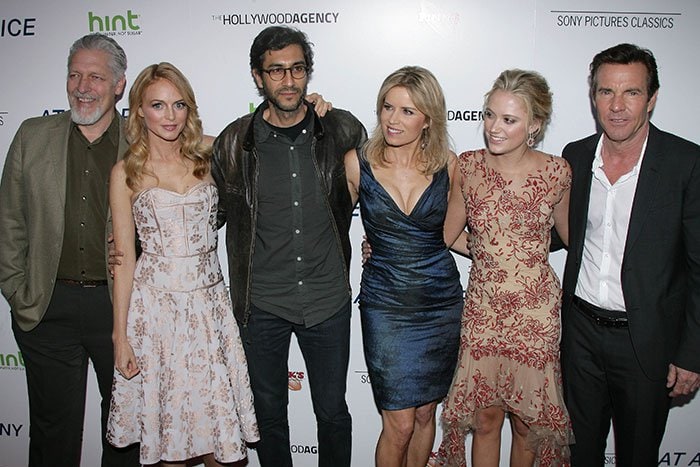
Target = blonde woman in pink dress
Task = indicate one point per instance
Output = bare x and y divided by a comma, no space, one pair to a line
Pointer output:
510,196
181,386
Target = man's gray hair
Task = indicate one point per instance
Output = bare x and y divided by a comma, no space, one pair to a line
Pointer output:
97,41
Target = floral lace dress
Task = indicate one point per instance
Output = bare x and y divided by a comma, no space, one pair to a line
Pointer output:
509,349
192,395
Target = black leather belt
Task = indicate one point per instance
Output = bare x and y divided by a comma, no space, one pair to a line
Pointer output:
595,313
74,283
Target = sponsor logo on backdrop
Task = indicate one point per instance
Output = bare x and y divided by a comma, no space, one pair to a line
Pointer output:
2,117
17,27
52,112
303,449
678,458
445,23
364,376
120,24
295,379
273,18
12,361
10,430
615,19
675,458
464,115
124,112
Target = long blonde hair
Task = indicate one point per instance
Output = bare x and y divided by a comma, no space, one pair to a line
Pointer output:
192,147
427,95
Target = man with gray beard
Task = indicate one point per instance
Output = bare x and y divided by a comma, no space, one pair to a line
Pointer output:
53,221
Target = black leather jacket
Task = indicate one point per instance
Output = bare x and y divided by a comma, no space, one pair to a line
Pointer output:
235,169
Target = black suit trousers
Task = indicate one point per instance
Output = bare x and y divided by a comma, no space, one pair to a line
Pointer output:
77,326
602,382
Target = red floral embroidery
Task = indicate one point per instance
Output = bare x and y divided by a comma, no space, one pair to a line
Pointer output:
509,346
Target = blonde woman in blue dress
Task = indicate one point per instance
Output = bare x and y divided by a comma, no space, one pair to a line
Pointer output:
411,297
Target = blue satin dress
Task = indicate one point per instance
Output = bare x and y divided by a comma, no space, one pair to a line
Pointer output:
411,298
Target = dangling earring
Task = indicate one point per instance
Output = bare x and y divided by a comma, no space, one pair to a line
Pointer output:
424,139
531,139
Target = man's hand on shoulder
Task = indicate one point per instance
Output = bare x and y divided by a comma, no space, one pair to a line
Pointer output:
321,106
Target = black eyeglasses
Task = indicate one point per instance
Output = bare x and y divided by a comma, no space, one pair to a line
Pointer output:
278,74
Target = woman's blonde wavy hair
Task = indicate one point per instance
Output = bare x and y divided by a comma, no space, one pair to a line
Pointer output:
427,95
137,134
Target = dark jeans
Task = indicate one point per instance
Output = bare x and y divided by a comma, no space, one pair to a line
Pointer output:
603,381
77,326
326,351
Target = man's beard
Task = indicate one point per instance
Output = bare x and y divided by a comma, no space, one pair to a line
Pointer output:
292,107
84,118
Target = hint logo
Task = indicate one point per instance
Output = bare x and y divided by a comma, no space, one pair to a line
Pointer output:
114,24
12,361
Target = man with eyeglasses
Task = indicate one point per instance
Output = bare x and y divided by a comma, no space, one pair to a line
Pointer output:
284,197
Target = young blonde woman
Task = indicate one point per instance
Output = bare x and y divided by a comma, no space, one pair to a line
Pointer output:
411,297
510,195
181,386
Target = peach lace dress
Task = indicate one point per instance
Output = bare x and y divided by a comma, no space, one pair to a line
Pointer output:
509,349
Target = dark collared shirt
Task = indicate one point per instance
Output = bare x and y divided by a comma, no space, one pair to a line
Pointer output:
297,266
88,169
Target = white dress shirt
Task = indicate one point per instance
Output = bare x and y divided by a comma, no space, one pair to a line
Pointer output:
609,209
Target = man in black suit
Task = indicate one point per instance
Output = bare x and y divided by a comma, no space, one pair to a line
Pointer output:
631,304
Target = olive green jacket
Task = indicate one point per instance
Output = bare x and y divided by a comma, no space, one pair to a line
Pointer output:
32,203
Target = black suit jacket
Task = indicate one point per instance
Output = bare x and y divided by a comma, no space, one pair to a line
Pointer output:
661,263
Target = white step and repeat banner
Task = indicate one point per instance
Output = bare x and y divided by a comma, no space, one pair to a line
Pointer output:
466,43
